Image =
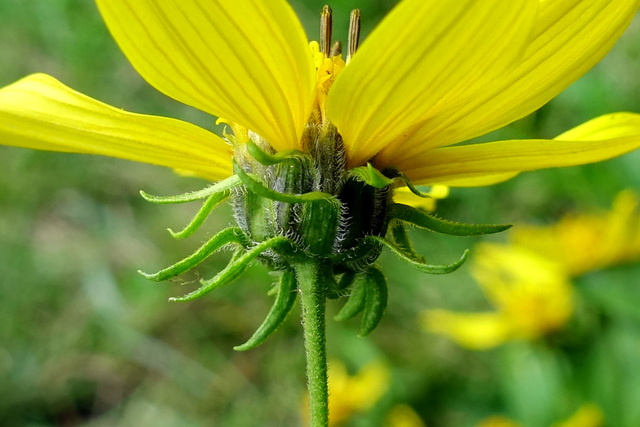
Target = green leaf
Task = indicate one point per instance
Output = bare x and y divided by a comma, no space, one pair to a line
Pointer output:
346,280
338,290
260,189
375,302
370,176
236,267
267,159
226,236
364,250
396,173
426,268
356,301
202,214
412,187
221,186
400,212
287,294
401,239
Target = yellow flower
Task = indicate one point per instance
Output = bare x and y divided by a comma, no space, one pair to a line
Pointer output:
584,242
532,295
431,75
588,415
350,394
402,415
529,280
497,421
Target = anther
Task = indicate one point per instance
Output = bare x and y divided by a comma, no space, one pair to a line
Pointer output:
354,33
325,30
336,49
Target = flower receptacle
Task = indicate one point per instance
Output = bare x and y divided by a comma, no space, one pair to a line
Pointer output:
310,199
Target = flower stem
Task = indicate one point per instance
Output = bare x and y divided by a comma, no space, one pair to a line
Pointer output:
313,297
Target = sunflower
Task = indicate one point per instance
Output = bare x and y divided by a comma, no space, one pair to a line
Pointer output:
317,144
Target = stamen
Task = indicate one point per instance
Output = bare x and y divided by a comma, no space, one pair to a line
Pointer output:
336,49
326,23
354,33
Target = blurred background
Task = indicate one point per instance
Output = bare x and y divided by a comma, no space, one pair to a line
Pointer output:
85,340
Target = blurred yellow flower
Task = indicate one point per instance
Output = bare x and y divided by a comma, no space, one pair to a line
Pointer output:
584,242
351,394
402,415
531,293
528,281
497,421
588,415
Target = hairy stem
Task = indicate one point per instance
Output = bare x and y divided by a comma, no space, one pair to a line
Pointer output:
313,297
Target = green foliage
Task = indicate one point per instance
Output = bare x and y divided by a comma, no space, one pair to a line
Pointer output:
355,303
371,176
256,187
267,159
375,301
235,268
418,218
219,189
287,292
420,265
223,238
207,207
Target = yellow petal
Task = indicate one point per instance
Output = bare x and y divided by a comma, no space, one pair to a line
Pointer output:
424,56
569,37
602,138
40,112
245,60
478,181
406,197
476,331
609,126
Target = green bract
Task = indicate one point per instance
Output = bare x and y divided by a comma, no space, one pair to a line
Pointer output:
296,207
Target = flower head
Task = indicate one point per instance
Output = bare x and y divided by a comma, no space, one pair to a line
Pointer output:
532,295
584,242
587,415
352,394
528,281
402,415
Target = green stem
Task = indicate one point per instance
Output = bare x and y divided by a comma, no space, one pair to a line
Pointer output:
313,298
